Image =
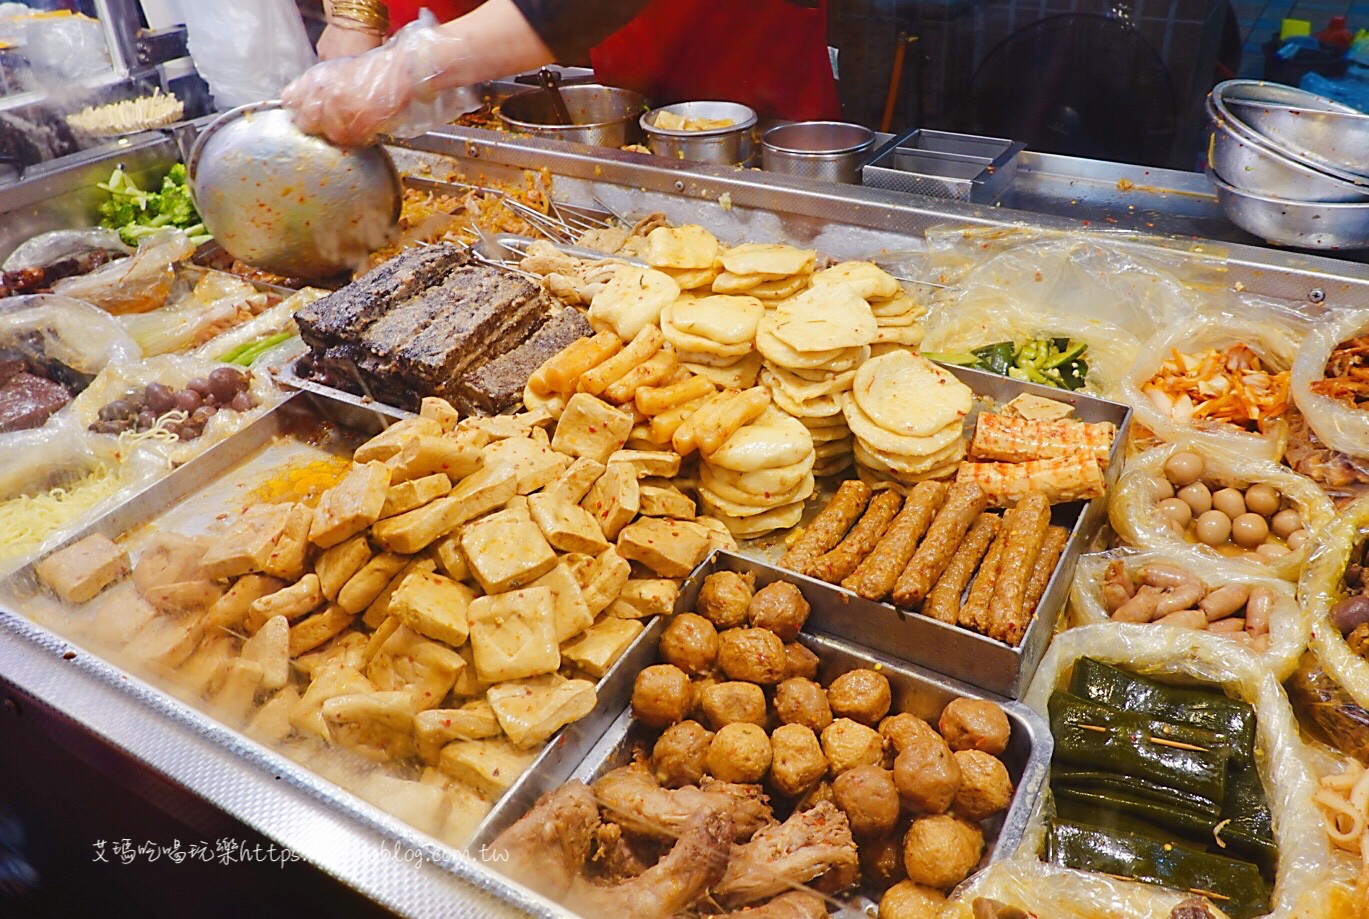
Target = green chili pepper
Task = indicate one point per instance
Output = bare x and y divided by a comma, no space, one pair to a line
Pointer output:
997,358
1201,708
958,358
1065,357
1234,885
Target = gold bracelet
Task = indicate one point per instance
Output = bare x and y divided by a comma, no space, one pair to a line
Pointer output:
371,15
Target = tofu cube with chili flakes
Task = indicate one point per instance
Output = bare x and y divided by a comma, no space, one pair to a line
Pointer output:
671,548
532,710
568,527
308,634
615,499
513,635
437,727
570,611
351,505
600,577
434,606
602,644
408,662
504,551
658,498
247,543
454,457
592,428
664,463
642,598
80,571
406,496
391,440
535,463
491,766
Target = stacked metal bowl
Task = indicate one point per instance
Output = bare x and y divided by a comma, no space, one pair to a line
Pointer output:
1290,167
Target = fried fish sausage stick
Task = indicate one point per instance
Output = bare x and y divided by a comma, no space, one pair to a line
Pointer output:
684,438
964,502
654,400
875,576
943,603
714,425
860,542
1051,550
1026,533
974,613
1073,477
829,526
562,371
638,351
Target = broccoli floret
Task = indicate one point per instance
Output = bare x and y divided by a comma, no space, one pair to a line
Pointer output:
176,174
174,203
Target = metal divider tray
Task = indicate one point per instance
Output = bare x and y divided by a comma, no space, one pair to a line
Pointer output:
915,690
960,653
303,428
941,164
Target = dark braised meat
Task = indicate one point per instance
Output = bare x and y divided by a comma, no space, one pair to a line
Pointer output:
26,401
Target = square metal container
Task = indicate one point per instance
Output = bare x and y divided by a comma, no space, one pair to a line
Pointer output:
915,690
942,164
960,653
192,497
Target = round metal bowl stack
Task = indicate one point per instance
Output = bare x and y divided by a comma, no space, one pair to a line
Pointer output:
1289,166
602,116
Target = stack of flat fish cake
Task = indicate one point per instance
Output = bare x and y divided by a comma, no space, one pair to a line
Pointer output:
715,337
757,481
908,418
812,344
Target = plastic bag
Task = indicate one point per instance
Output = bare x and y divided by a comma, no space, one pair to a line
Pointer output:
75,333
1057,288
1282,758
1137,520
66,47
279,319
218,302
175,371
1272,337
133,285
1319,590
1288,625
46,248
54,481
391,90
1336,424
247,50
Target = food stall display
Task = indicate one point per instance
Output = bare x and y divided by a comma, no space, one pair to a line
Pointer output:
699,566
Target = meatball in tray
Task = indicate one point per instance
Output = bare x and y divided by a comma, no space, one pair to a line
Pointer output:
758,762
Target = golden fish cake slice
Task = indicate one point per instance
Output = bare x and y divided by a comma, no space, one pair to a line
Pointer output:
910,396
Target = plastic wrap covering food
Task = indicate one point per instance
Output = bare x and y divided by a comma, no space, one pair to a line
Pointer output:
219,301
247,50
1338,425
1322,587
1135,507
1328,709
176,374
262,336
1054,288
1283,761
1094,600
47,248
1236,397
136,284
54,481
388,90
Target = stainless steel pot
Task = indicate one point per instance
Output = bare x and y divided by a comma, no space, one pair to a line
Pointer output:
1241,158
289,202
831,151
1306,225
722,146
604,116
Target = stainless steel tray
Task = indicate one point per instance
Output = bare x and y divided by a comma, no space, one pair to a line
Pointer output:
915,690
960,653
962,167
194,495
282,370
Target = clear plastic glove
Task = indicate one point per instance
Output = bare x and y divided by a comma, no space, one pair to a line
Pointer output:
394,89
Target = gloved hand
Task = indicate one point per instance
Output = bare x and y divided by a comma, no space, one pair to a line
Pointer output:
393,89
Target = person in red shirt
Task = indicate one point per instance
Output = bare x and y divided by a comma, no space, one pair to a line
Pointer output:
769,54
